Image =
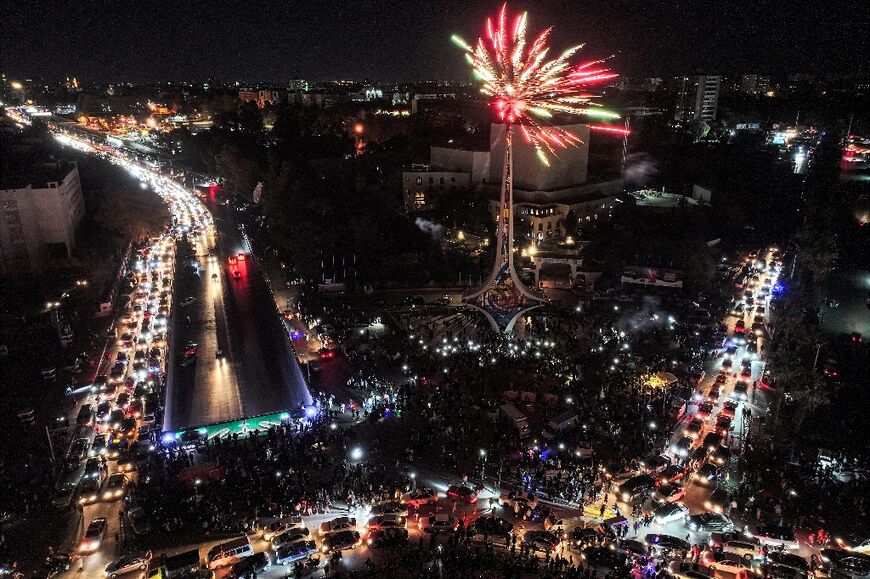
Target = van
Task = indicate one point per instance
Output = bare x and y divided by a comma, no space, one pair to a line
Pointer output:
230,552
86,415
181,565
516,418
565,422
636,488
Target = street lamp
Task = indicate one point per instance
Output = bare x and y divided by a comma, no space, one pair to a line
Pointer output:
356,453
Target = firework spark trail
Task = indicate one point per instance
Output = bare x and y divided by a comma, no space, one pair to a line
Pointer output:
527,89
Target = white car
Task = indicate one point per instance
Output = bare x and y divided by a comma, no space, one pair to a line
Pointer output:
775,536
670,512
738,567
281,526
743,549
339,524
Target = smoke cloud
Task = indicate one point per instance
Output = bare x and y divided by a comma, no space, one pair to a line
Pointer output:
429,227
640,168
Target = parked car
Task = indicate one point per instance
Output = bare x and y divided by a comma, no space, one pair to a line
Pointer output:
136,561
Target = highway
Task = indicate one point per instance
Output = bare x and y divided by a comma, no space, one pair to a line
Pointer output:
258,373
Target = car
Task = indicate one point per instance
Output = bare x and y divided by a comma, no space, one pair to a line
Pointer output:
727,362
655,463
139,521
682,446
636,488
390,508
463,493
386,522
740,391
775,536
89,491
136,561
603,557
720,456
669,493
729,408
337,524
789,561
53,566
671,474
103,411
98,446
295,551
340,540
746,372
95,467
78,450
708,522
740,326
85,416
93,536
693,429
491,528
712,440
543,541
326,353
254,565
439,523
717,500
387,537
704,410
115,487
420,496
666,544
737,566
713,395
519,500
281,526
670,512
741,548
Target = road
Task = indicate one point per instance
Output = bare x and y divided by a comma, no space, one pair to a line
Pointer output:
269,374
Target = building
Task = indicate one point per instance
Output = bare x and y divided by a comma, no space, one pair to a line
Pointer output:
261,97
40,217
297,84
545,197
475,163
755,84
423,184
697,98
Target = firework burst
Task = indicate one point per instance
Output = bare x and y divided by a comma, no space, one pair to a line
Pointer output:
527,89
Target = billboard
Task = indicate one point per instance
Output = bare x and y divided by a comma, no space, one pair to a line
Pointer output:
652,276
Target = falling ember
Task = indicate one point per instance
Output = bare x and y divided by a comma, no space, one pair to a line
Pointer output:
527,89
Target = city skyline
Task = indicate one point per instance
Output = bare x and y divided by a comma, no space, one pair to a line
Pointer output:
267,41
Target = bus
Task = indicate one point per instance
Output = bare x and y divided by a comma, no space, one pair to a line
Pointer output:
516,418
229,552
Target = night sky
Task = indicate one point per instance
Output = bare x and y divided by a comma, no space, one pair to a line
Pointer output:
402,40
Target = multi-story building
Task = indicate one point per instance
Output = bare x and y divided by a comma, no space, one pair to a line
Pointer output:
261,96
755,84
697,98
39,217
297,84
423,184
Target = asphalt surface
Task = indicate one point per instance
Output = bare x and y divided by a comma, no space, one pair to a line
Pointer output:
269,375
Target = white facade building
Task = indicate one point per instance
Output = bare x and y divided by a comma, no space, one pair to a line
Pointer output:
39,220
